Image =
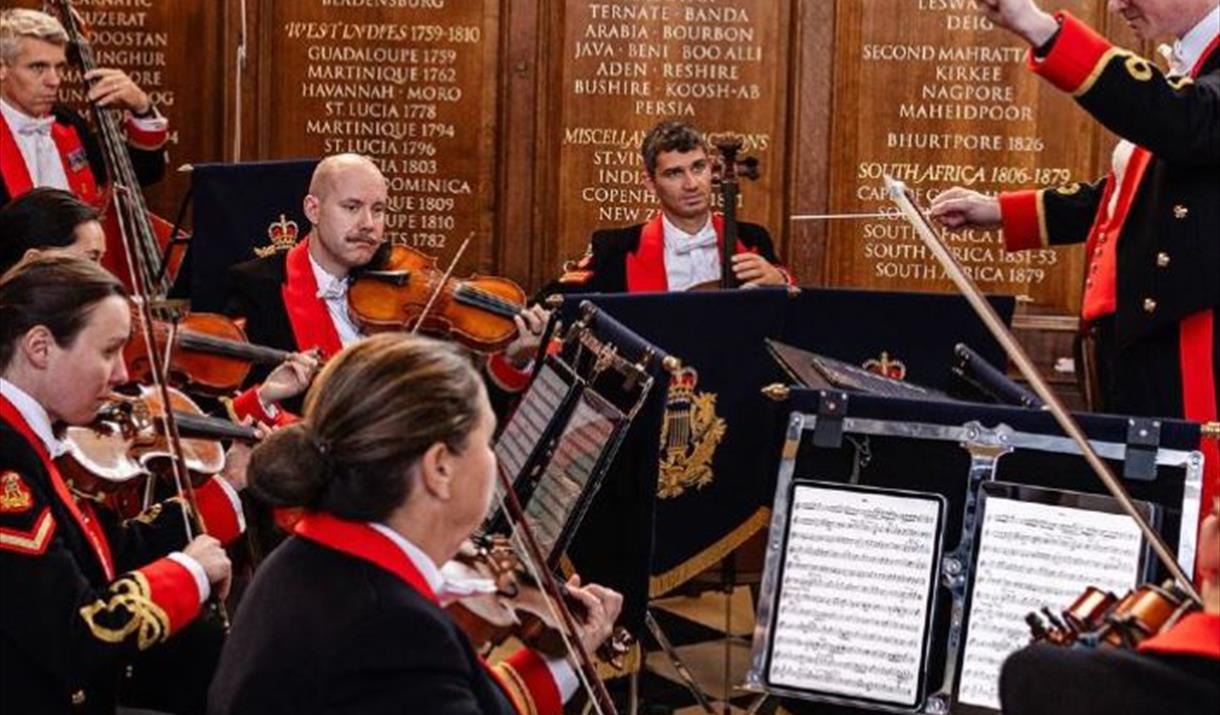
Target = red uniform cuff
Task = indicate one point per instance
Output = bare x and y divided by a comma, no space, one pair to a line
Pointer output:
1077,56
506,376
1197,634
1024,220
220,516
528,671
140,138
172,587
248,404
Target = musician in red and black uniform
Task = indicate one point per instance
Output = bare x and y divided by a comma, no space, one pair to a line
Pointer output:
1176,672
297,300
394,466
82,592
680,246
1152,225
43,143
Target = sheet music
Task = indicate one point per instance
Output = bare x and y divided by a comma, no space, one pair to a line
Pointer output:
530,420
852,613
565,477
1032,555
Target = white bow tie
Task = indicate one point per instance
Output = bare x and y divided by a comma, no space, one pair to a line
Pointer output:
690,244
36,126
336,289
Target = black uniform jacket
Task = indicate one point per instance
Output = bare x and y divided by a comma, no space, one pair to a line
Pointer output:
1175,673
81,592
616,262
147,157
333,625
1168,257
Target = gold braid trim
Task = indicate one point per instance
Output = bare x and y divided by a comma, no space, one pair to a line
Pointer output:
661,584
129,593
515,689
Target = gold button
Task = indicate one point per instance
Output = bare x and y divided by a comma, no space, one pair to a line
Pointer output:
78,698
1162,259
1149,305
1180,211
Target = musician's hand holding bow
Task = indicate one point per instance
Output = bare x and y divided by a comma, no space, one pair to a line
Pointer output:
962,208
208,552
1021,17
114,88
602,607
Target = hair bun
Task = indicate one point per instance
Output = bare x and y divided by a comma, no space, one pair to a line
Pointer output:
289,468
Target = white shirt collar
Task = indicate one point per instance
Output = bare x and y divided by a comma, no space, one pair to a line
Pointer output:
1188,49
422,562
17,119
35,415
674,234
330,288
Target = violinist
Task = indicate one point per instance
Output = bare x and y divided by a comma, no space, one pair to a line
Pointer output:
43,143
84,593
678,247
1176,672
393,462
49,218
298,300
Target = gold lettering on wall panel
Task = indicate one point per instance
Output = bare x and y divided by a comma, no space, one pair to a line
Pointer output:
410,83
170,50
629,64
931,93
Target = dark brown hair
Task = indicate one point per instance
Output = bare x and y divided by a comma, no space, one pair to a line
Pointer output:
370,415
40,219
54,289
669,136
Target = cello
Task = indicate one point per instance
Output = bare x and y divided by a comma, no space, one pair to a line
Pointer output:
139,235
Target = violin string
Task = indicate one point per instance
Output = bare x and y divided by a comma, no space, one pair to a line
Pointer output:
534,569
488,301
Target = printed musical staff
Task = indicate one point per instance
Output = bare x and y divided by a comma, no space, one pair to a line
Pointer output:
529,421
851,617
1034,555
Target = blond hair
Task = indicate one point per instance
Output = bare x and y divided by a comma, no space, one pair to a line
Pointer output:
21,23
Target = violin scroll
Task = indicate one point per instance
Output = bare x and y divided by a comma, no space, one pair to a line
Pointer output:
1098,617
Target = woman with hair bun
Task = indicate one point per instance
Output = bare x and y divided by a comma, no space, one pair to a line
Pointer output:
393,466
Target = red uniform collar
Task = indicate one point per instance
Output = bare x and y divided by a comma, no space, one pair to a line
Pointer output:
364,542
310,320
1197,634
646,265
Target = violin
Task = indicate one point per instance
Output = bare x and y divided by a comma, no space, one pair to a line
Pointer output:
409,292
211,354
1101,618
111,458
515,606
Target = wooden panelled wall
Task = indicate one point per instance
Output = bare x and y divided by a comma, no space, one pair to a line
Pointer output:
517,121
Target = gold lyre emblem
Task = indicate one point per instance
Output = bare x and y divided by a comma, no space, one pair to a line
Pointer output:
282,234
690,434
15,496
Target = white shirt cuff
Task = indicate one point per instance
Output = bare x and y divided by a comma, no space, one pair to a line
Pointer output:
564,676
155,123
196,569
269,408
235,500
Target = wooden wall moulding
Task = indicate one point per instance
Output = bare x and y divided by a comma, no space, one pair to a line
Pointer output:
621,66
170,49
412,85
930,93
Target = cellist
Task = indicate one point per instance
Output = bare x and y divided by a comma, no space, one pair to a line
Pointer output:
44,143
83,592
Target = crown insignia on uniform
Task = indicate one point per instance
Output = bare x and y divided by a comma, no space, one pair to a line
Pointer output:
886,366
689,436
283,236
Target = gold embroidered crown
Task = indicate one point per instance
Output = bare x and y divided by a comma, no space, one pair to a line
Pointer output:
283,235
